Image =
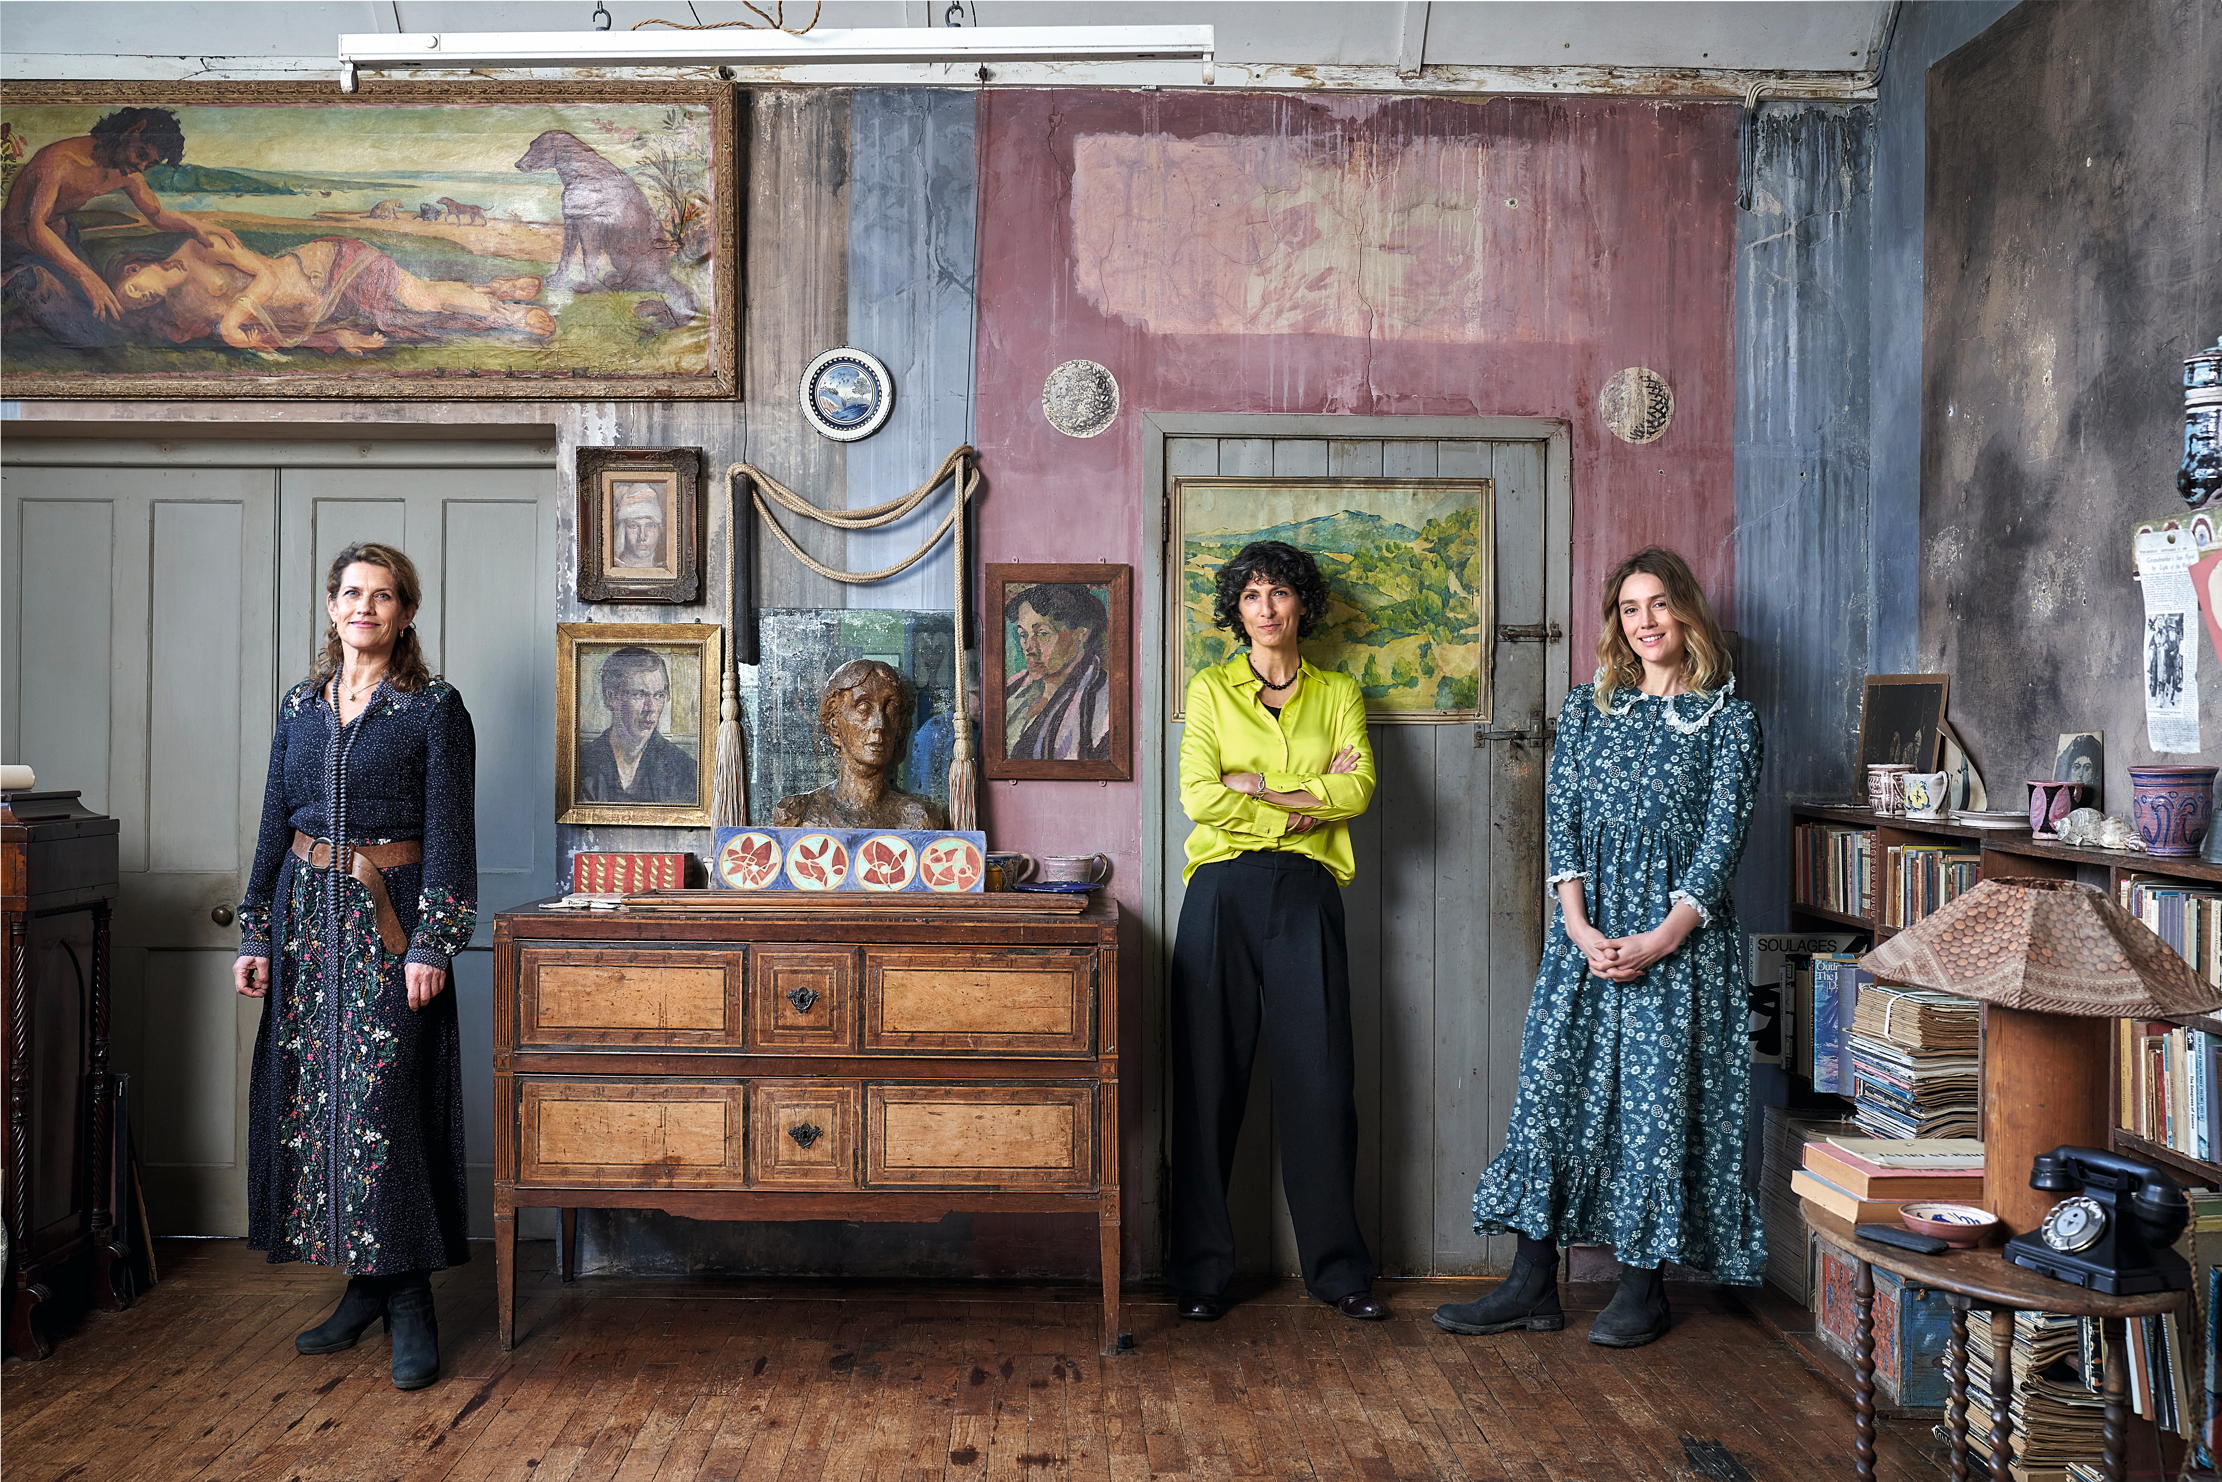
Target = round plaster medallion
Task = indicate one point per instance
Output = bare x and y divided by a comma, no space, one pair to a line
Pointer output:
847,394
1637,404
1080,398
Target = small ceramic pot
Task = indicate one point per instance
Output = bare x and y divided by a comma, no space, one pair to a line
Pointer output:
1008,869
2049,802
2174,805
1884,789
1924,793
1077,869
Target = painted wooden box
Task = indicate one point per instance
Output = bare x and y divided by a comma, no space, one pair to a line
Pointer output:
1911,1325
886,861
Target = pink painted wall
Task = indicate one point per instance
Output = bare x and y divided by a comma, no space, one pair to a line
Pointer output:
1265,253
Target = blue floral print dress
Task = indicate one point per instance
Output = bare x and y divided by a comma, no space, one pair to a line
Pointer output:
1628,1125
355,1110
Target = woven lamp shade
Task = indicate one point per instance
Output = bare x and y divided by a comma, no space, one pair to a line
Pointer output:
2044,947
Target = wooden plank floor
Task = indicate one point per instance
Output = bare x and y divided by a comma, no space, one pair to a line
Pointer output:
645,1380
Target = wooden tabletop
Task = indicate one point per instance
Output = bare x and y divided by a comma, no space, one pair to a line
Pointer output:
1985,1275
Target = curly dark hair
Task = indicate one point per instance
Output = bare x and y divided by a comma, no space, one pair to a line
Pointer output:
160,129
1274,560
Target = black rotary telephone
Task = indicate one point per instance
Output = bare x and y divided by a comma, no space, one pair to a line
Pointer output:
2113,1231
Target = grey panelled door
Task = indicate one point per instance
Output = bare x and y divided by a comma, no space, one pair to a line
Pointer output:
155,614
1445,915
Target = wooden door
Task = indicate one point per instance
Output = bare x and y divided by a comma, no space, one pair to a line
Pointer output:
160,598
1446,912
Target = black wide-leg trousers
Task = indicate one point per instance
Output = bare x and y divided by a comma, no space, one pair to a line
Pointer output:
1260,949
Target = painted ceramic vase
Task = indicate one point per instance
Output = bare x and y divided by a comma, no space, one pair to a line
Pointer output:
1923,793
2174,805
1885,789
2049,802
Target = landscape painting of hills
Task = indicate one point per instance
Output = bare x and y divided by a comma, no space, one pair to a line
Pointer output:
287,240
1407,562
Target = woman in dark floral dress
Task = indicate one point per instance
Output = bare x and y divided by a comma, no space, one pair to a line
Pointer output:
355,1145
1628,1125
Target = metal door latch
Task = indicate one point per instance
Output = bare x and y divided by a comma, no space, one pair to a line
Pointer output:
1528,633
1536,730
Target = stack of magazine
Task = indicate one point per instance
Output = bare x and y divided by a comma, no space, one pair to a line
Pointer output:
1910,1062
2057,1416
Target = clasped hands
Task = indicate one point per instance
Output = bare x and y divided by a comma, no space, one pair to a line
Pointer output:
251,977
1625,959
1252,785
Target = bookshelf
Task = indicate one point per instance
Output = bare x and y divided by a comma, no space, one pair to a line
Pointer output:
2003,853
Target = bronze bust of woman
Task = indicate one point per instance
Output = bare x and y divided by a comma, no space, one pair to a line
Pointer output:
865,713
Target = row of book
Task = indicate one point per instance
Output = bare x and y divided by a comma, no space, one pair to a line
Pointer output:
2169,1080
1918,878
1833,866
2187,919
1782,1155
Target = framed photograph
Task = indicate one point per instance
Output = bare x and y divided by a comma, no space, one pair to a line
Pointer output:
1901,719
636,722
1058,686
1409,566
640,524
2080,756
509,240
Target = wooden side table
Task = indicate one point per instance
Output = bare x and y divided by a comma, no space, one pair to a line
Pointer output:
1981,1279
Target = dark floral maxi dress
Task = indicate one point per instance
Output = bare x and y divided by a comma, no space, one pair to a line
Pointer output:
1628,1124
355,1113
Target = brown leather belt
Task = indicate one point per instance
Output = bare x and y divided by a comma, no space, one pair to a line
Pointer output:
366,860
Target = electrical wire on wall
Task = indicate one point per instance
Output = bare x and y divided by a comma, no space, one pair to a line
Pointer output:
774,20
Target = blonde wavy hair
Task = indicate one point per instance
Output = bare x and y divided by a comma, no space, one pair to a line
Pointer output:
1705,665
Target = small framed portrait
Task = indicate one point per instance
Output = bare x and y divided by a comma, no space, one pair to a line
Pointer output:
636,722
1059,681
640,524
2080,756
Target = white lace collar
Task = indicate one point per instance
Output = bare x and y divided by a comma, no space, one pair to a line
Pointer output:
1674,715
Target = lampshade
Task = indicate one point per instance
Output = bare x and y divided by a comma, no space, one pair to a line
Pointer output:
2045,947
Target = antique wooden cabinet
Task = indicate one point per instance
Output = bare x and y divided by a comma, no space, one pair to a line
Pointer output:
892,1059
58,891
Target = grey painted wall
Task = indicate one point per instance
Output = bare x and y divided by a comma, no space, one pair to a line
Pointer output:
2071,265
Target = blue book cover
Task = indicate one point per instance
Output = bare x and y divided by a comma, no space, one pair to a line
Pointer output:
1828,1031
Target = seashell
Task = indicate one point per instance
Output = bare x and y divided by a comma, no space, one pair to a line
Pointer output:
2081,827
2120,833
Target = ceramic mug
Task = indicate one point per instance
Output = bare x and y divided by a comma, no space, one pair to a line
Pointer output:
2051,800
1925,793
1083,869
1884,793
1008,869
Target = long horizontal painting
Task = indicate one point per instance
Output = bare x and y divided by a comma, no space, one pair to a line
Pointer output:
225,240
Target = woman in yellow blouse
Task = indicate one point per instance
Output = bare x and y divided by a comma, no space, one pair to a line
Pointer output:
1274,762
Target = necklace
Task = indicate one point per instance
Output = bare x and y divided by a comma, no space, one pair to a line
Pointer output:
362,690
1269,684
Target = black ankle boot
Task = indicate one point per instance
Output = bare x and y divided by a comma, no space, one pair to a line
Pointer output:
362,1304
1526,1298
1637,1312
416,1331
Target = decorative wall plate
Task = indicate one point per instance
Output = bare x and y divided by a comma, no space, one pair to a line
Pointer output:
1637,404
1080,398
847,394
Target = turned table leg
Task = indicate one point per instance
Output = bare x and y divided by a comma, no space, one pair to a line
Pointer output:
1863,1371
2002,1394
2114,1438
1955,1404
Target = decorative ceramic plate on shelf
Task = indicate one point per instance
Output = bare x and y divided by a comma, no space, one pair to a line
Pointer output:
817,862
1061,887
1991,817
952,864
749,861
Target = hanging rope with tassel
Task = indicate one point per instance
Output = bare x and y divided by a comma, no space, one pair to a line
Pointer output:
961,470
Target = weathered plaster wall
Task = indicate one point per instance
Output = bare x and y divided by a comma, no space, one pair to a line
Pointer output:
2071,265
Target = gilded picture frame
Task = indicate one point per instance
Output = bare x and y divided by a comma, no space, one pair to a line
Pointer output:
1057,687
1410,568
640,524
636,722
526,240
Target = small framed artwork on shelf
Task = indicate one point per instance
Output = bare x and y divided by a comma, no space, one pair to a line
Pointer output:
640,524
1901,720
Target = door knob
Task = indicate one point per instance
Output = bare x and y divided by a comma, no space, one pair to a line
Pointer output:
221,916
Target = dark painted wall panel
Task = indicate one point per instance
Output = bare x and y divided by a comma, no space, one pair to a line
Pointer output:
2071,266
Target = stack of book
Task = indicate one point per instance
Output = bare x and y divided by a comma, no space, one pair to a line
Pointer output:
2057,1412
1866,1178
1918,878
1829,989
1789,1249
2167,1081
1910,1063
1833,867
2186,919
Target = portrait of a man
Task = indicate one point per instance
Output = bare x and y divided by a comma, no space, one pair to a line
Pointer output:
633,761
637,522
865,715
1058,707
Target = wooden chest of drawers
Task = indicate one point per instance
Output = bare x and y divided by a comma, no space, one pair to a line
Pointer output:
876,1062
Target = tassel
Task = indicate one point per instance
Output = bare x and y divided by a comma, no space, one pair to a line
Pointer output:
964,797
729,797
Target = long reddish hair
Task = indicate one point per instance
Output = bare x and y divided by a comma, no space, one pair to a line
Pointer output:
1705,665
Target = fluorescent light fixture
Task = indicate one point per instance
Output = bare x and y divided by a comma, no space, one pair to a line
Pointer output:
739,47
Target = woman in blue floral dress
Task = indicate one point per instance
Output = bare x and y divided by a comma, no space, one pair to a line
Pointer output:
1628,1125
355,1135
